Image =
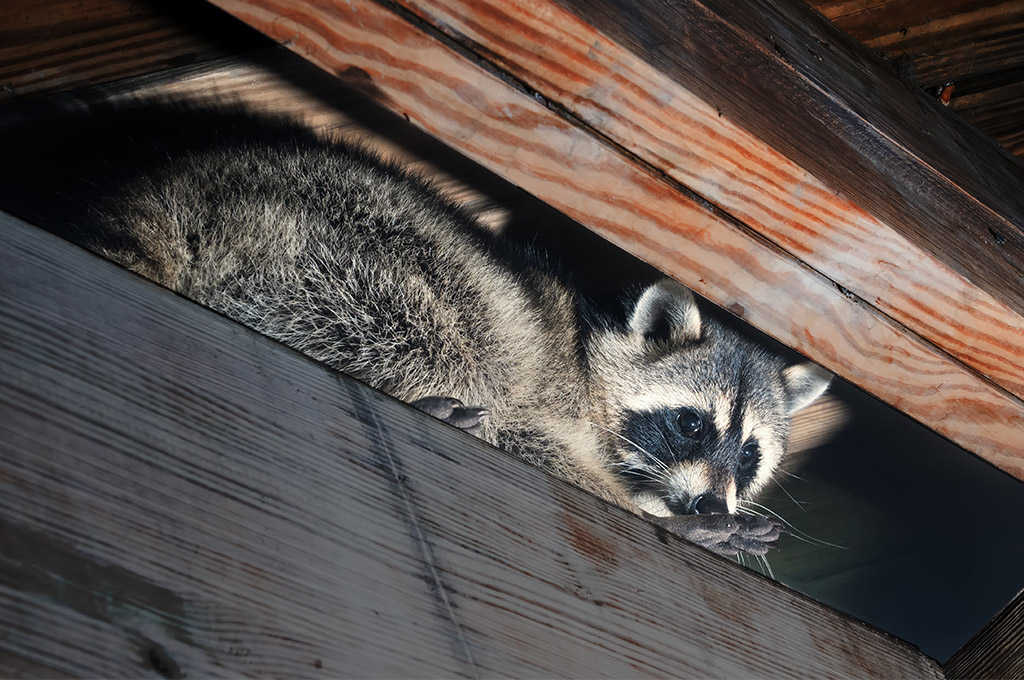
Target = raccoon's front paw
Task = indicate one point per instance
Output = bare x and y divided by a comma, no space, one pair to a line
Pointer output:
726,534
453,412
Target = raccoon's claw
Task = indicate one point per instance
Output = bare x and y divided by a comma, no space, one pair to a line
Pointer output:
468,418
453,412
726,534
757,535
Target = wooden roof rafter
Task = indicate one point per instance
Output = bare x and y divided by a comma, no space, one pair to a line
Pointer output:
613,126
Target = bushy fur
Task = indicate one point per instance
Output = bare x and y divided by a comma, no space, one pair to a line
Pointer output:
370,270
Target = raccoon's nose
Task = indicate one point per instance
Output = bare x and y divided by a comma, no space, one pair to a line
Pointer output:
709,504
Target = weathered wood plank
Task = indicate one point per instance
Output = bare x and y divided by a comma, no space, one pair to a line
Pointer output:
977,46
996,652
181,497
964,41
437,88
46,46
997,111
807,89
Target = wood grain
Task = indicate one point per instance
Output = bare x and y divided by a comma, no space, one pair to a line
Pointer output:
47,46
607,87
998,111
520,138
963,41
786,74
180,497
995,652
977,46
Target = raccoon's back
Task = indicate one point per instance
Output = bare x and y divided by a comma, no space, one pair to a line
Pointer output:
320,245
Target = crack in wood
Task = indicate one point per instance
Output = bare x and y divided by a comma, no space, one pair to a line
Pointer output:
388,459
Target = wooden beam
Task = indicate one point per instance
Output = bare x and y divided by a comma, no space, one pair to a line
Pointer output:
810,91
61,44
181,496
995,652
488,114
976,45
628,100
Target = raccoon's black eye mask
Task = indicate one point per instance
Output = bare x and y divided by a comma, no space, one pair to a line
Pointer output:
750,459
666,436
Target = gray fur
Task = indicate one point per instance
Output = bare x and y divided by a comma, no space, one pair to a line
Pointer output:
370,271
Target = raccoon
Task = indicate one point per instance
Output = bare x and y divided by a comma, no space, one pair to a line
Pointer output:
368,268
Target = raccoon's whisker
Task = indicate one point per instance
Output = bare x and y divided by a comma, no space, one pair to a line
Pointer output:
796,533
652,474
647,473
785,491
790,474
807,538
639,448
668,447
811,540
747,511
760,560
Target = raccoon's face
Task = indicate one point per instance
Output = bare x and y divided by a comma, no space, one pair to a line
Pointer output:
700,415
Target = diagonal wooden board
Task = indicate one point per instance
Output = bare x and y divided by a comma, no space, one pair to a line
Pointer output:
182,497
995,652
823,99
641,104
488,115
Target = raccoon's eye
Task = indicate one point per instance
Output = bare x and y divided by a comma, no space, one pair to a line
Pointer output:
749,454
690,423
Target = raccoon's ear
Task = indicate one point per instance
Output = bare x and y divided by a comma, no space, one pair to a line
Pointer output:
666,311
805,383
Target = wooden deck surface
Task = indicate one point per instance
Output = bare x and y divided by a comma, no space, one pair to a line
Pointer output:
996,651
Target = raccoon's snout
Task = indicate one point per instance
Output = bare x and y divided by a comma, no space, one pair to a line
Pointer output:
704,504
